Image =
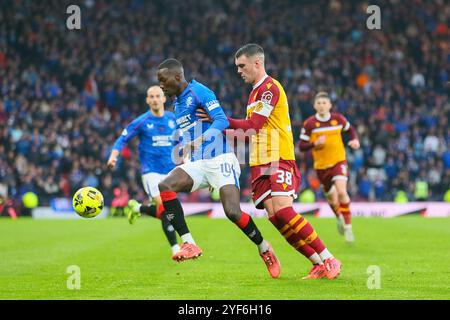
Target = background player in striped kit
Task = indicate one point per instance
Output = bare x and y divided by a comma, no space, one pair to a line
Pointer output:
323,134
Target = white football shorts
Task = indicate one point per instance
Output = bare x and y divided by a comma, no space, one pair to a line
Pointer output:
150,181
216,172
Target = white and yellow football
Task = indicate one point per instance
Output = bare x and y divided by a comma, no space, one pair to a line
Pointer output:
88,202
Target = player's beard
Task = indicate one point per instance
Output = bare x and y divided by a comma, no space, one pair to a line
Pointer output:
156,109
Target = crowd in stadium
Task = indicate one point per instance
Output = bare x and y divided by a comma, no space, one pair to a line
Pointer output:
66,94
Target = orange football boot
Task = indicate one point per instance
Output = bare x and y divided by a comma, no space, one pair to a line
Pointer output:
187,251
317,272
272,263
332,268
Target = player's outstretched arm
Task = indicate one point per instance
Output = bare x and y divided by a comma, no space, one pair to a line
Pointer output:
306,145
127,134
255,122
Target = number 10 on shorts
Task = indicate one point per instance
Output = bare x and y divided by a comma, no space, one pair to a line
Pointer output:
226,169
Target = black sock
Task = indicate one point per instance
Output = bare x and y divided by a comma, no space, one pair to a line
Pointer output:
175,215
148,210
169,231
250,229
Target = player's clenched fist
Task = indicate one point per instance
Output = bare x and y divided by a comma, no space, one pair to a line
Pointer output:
320,142
354,144
112,159
112,163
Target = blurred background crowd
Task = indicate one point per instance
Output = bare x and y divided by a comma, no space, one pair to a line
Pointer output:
66,94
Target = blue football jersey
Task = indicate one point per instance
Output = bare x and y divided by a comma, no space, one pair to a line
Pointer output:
156,141
196,95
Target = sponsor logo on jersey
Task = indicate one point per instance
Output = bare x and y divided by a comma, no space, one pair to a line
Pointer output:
333,122
171,124
162,141
189,101
211,105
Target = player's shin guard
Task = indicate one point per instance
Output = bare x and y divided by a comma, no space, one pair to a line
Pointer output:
174,212
295,241
246,224
344,209
169,230
301,228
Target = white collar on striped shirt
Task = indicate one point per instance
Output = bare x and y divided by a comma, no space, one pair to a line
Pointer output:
260,82
323,119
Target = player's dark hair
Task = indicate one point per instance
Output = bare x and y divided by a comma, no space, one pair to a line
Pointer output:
171,64
322,94
249,50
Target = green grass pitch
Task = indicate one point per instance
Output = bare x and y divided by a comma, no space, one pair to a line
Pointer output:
119,261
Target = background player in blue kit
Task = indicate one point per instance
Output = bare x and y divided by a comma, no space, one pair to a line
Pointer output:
213,164
156,130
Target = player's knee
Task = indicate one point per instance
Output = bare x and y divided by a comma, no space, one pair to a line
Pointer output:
234,214
342,195
281,202
333,199
164,186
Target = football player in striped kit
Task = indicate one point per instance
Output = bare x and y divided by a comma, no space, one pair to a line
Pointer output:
322,133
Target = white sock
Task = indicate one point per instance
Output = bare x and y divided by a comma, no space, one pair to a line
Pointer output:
347,226
175,248
187,237
315,258
263,246
325,254
138,207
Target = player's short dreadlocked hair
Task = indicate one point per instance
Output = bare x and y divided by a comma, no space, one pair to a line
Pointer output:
322,94
250,50
171,64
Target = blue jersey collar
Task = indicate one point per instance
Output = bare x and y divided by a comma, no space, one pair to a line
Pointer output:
187,89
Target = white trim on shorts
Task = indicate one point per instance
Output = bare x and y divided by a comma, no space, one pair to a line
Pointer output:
339,178
284,193
263,196
274,194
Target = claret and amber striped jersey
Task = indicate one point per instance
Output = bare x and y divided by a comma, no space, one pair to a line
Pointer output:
333,151
274,141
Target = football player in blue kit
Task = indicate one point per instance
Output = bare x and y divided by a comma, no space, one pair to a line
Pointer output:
156,130
212,163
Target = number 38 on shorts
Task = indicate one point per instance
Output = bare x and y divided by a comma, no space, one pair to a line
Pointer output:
283,180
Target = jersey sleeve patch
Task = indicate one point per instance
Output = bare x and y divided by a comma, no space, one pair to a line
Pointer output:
267,97
263,108
213,104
